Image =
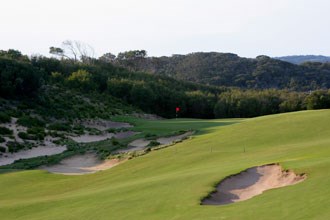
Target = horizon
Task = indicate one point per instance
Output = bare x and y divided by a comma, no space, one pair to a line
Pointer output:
248,29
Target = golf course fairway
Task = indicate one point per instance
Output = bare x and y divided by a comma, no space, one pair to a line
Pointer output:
170,183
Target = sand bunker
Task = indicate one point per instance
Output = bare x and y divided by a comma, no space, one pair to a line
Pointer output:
141,144
171,139
9,158
88,138
81,164
252,182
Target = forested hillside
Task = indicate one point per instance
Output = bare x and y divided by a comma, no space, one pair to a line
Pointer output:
225,69
54,86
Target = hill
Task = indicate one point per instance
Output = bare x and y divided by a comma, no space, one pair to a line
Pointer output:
304,58
225,69
170,183
32,80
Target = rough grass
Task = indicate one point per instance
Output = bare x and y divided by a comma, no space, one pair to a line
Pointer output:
168,184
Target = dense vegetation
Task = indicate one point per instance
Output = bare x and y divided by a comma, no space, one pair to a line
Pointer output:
224,69
64,88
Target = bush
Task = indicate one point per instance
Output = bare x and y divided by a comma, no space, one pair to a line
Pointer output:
34,133
60,127
23,135
5,131
114,141
14,146
153,143
4,118
2,140
148,135
28,121
2,149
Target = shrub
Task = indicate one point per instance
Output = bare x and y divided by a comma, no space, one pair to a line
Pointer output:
2,140
4,118
23,135
60,127
5,131
2,149
14,146
28,121
148,135
153,143
114,141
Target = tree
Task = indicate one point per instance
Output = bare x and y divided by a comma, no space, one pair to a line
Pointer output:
132,55
108,58
13,54
74,50
81,79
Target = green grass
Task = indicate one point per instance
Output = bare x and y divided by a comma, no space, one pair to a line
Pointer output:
169,183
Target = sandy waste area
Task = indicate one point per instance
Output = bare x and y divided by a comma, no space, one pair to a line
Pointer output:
141,144
81,164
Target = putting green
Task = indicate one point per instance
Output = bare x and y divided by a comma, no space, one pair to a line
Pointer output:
169,183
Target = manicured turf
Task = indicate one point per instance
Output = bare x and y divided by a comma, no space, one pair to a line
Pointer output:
169,183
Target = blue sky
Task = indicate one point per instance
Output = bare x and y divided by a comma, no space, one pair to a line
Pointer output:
245,27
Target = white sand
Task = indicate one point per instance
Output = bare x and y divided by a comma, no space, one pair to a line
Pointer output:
252,182
171,139
81,164
141,144
88,138
9,158
15,128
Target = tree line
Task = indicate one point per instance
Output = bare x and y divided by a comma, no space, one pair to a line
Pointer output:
24,77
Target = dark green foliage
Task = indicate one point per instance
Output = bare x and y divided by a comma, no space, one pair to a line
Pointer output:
4,118
36,133
29,122
18,78
14,146
60,127
2,149
153,143
13,54
5,131
114,141
225,69
149,136
78,129
24,135
2,140
318,100
251,103
98,89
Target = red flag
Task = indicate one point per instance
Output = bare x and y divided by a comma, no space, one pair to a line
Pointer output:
177,109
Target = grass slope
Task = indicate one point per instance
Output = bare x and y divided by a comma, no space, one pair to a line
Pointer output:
168,184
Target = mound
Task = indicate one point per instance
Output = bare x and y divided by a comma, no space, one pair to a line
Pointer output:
252,182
